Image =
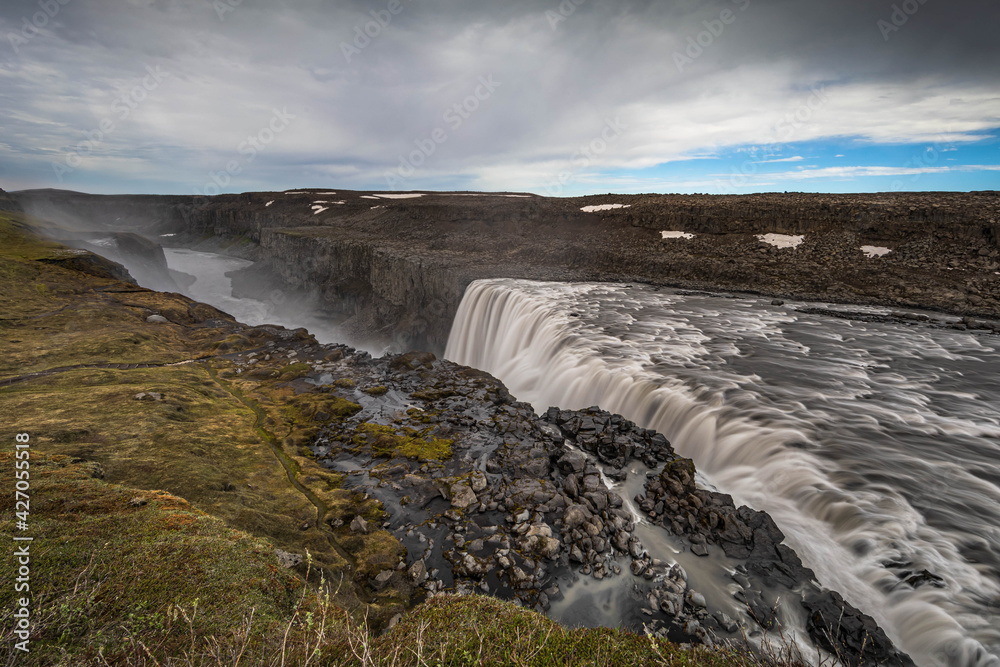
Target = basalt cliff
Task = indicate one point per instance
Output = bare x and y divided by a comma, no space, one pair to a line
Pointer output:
398,267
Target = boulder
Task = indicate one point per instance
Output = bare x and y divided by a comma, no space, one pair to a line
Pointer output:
462,496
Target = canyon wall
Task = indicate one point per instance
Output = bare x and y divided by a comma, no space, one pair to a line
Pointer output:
395,269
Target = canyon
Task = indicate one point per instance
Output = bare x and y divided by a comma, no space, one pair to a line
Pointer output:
394,269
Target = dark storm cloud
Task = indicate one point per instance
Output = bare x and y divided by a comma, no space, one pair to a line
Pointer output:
365,86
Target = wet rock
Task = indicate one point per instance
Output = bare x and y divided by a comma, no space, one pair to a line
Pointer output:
572,462
842,630
694,599
478,482
726,622
418,572
575,515
473,566
462,496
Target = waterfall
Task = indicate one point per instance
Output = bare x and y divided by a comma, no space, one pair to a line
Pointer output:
557,344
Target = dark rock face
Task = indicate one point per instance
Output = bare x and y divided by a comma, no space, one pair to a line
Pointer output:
706,517
148,264
95,265
516,505
401,266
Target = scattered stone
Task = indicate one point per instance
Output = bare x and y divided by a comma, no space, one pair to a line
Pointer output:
287,560
381,580
359,525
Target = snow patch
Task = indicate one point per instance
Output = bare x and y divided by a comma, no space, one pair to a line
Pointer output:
677,235
268,203
874,251
165,235
604,207
781,240
296,193
319,209
368,197
413,195
482,194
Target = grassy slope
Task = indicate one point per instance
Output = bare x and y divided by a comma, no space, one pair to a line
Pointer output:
187,572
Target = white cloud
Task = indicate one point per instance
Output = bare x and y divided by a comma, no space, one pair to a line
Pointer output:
353,121
796,158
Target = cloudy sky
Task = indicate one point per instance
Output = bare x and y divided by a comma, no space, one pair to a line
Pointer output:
557,98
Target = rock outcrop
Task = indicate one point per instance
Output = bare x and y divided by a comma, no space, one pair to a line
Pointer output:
488,497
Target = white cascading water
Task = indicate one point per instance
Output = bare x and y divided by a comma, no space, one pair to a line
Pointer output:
875,447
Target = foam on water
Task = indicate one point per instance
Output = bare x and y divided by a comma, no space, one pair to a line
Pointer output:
873,446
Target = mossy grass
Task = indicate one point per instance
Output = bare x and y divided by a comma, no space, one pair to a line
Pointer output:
206,440
112,566
388,441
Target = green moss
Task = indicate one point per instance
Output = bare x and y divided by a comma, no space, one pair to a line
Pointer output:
379,390
344,383
434,394
233,343
294,371
385,442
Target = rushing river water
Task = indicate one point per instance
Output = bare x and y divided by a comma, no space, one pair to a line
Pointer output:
874,446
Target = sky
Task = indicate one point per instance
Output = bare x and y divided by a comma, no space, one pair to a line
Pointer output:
555,97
